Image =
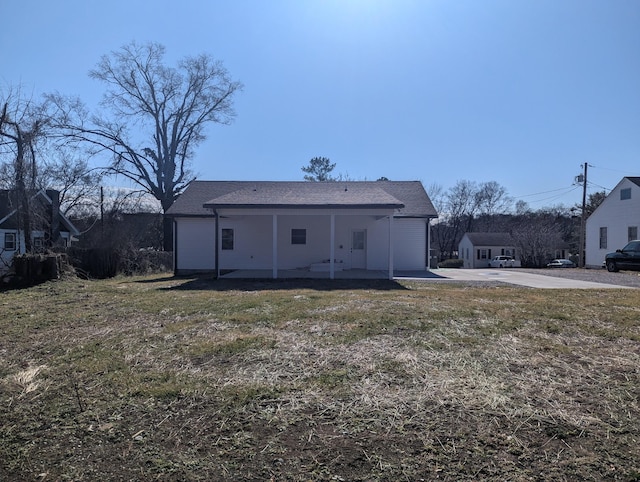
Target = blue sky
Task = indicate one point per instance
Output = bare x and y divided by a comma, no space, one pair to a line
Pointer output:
521,92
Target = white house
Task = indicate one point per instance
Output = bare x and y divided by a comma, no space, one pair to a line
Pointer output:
477,249
313,226
49,225
614,223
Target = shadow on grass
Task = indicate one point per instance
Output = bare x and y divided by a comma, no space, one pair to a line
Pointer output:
213,284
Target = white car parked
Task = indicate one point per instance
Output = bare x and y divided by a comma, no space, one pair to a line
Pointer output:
502,262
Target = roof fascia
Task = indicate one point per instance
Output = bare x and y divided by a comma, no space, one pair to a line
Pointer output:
303,206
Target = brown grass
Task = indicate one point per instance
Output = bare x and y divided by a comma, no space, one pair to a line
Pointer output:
161,378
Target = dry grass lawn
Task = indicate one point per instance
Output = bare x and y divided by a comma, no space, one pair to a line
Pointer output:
162,378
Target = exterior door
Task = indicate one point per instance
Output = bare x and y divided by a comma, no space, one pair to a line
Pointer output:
359,249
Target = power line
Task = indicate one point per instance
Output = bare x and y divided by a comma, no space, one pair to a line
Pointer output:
598,185
565,190
626,173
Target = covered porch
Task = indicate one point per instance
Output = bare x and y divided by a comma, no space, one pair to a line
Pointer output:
304,243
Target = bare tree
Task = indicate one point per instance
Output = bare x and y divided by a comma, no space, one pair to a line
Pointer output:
465,207
154,116
319,169
537,236
72,177
460,206
22,127
492,198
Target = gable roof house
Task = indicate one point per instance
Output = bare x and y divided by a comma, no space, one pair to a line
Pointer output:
49,226
477,249
316,228
614,223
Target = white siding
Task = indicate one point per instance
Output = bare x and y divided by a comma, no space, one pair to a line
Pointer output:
252,242
252,248
409,244
195,244
317,248
617,216
466,252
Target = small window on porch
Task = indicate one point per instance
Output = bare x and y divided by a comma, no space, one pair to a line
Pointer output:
227,238
298,236
632,233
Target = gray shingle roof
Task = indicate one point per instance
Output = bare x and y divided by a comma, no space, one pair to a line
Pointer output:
407,197
635,180
490,239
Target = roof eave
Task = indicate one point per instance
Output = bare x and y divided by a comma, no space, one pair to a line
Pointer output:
302,206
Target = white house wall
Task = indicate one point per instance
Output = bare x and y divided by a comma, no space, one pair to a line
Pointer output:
617,216
252,243
466,253
409,245
253,238
195,244
292,256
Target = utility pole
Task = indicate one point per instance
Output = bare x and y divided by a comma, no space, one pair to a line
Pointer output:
583,217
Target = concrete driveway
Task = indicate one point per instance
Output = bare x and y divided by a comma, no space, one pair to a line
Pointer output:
512,277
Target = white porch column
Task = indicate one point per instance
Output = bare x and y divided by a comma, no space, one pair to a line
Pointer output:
428,244
274,253
332,249
391,246
217,246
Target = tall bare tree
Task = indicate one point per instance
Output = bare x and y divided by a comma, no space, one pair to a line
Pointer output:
153,117
22,127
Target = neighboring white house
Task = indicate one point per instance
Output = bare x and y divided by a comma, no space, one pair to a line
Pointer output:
312,226
49,225
477,249
614,223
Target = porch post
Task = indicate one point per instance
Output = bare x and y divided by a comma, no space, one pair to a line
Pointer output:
274,253
217,246
391,246
428,244
332,249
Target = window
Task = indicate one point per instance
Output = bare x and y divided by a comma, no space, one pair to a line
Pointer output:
603,238
227,238
632,233
9,241
625,194
298,236
358,239
482,254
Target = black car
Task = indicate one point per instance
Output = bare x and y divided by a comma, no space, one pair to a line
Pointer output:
625,258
